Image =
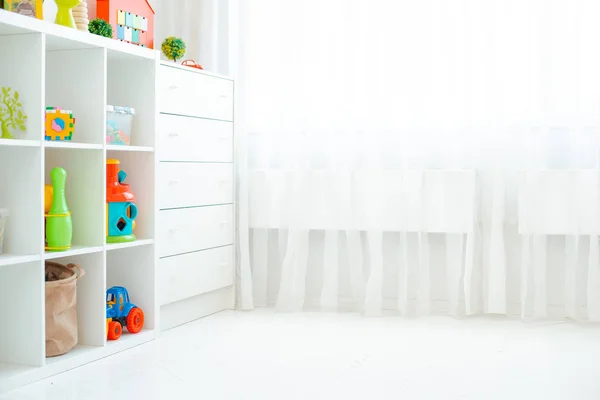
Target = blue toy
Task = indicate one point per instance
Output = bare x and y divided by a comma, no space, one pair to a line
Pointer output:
120,312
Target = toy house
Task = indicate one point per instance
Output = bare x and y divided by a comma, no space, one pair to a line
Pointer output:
132,20
121,210
59,124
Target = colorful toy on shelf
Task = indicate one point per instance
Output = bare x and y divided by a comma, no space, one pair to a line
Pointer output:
29,8
119,121
173,48
11,113
132,20
121,210
48,194
192,64
64,15
60,124
59,225
120,312
80,14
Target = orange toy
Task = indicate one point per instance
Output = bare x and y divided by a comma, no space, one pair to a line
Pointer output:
132,20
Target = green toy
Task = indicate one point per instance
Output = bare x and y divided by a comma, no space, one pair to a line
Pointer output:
64,15
173,48
59,225
11,113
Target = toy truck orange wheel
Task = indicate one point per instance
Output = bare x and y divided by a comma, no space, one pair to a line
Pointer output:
135,320
114,330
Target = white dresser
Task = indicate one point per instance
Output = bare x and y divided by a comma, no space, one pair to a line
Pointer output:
195,194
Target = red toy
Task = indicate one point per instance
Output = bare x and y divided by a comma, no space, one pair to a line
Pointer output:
132,20
191,63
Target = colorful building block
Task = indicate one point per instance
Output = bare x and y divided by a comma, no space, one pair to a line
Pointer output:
59,125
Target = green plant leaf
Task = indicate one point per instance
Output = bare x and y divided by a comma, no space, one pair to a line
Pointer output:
22,127
5,91
16,95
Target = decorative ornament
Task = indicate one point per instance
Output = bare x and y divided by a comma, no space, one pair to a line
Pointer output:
11,113
64,15
80,13
101,28
173,48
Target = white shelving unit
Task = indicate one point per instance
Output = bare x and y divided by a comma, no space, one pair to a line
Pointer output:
57,66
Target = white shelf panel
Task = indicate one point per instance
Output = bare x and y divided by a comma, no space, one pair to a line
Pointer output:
62,38
147,149
19,143
12,259
72,145
8,371
74,251
138,242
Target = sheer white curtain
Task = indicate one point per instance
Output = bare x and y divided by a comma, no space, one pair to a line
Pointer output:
202,24
419,157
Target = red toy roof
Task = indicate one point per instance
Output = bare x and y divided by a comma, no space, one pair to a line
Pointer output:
150,5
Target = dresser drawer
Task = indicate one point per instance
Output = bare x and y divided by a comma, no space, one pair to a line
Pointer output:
194,184
188,275
191,229
194,139
195,94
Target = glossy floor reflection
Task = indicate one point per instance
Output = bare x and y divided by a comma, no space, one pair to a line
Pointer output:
264,355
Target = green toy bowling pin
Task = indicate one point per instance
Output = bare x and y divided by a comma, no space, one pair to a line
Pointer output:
59,225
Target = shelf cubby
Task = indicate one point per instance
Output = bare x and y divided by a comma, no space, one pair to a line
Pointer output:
25,76
22,307
131,83
91,306
84,190
139,167
75,81
22,195
133,268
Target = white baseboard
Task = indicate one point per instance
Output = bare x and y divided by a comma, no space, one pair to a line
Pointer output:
182,312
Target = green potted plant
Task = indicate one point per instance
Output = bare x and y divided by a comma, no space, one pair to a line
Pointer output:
173,48
101,28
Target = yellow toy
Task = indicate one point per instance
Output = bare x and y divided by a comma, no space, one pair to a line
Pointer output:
48,193
30,8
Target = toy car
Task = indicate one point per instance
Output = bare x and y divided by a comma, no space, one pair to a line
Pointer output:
120,312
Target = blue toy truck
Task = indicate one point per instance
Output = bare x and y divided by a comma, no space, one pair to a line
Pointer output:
120,312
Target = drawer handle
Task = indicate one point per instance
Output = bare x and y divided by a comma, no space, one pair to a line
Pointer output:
173,87
173,134
173,230
224,264
224,222
173,182
223,137
223,96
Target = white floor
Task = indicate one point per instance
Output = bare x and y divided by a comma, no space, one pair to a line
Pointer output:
263,355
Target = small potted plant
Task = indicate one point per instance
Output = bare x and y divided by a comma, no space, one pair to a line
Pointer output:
101,28
173,48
